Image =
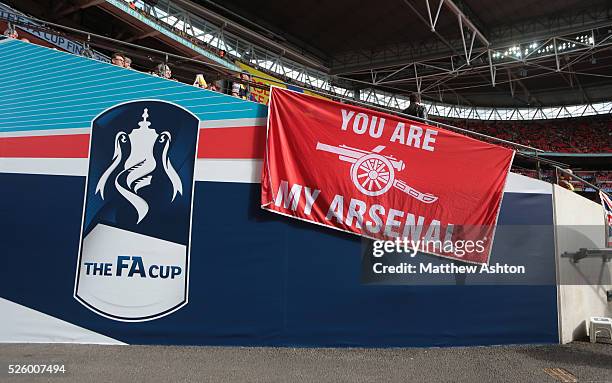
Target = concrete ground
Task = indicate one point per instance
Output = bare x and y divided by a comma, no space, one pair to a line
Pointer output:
91,363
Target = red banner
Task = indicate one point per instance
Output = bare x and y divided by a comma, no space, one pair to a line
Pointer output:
382,176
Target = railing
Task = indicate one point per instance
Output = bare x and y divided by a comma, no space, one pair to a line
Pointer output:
173,17
23,21
601,178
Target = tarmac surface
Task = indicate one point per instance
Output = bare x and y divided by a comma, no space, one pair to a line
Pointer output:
95,363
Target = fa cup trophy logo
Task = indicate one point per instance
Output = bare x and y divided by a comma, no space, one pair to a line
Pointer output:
139,165
134,252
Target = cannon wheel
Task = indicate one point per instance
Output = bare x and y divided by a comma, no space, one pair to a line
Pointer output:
373,174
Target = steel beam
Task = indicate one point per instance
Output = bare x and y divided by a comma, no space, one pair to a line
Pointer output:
201,11
468,23
75,8
433,21
535,29
143,36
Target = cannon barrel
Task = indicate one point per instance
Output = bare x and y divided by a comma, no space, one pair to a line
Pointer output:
348,154
345,153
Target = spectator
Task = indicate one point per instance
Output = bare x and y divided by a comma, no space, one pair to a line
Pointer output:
239,89
415,108
200,82
118,59
162,70
247,87
219,86
564,180
87,52
127,63
24,40
11,32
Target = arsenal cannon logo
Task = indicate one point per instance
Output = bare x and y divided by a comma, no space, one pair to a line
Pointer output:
134,252
374,174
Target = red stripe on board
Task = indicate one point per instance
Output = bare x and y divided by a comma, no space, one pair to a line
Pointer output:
55,146
238,142
242,142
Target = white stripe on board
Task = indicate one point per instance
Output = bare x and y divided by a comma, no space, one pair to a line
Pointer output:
228,170
46,132
234,122
21,324
48,166
518,183
216,170
219,170
238,122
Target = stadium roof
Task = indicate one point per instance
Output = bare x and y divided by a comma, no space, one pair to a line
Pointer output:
501,53
381,44
331,28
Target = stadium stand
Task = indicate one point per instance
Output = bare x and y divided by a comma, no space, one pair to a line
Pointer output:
577,135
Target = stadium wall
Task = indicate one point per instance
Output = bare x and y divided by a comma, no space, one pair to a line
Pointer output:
579,223
256,278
